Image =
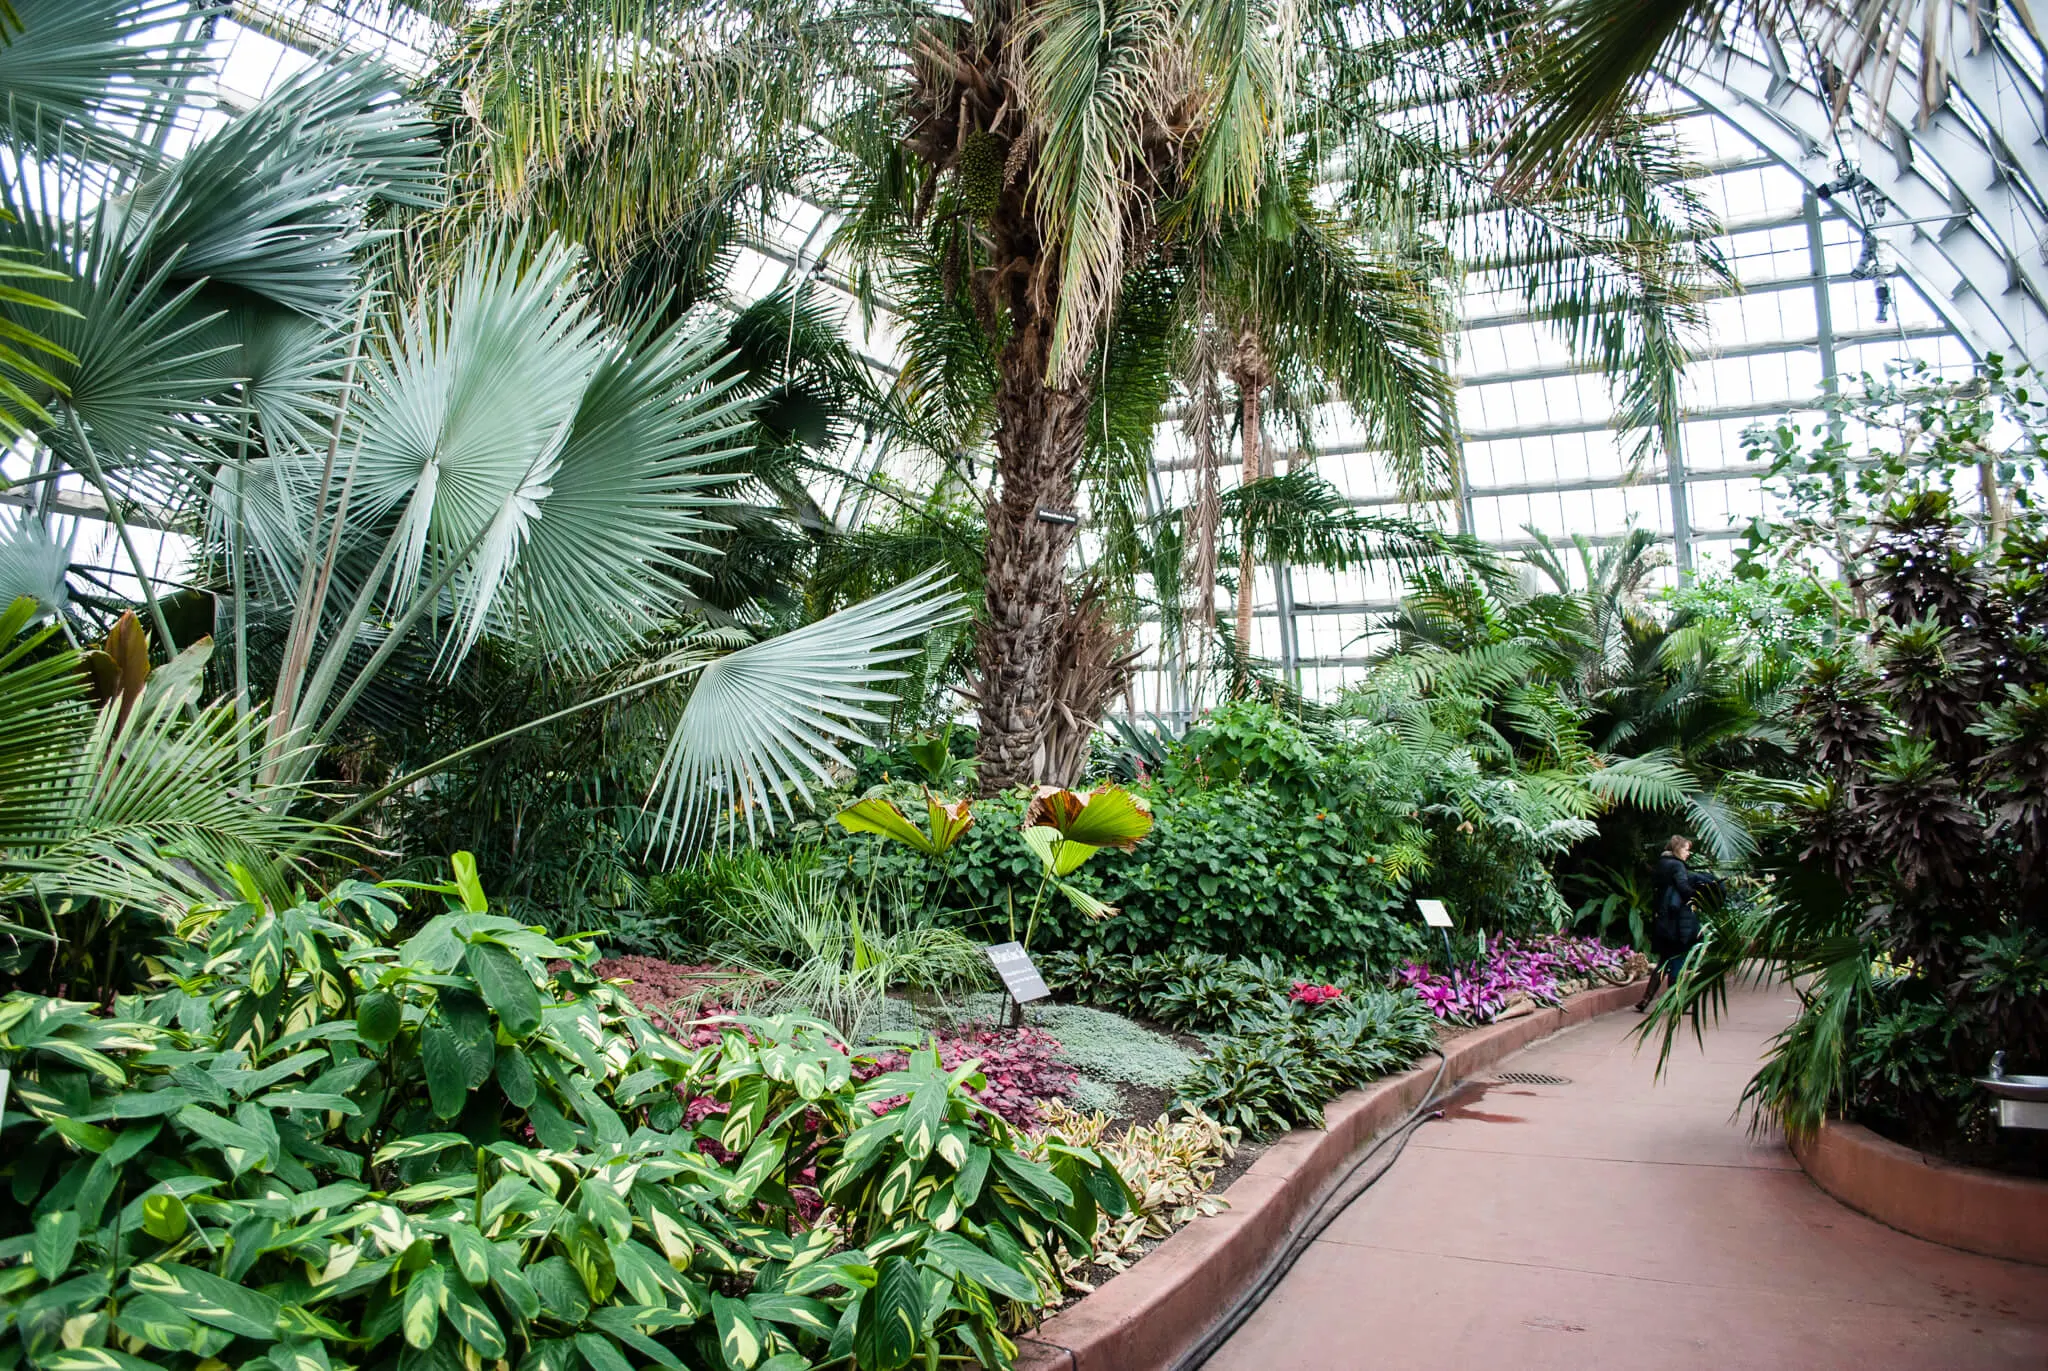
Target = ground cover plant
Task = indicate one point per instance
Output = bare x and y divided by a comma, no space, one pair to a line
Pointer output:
311,1143
1540,969
1280,1047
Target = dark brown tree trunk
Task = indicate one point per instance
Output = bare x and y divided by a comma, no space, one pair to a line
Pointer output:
1039,435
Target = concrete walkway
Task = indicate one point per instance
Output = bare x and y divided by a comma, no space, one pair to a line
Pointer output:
1619,1222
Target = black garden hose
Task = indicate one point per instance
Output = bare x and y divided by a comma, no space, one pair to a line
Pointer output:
1321,1217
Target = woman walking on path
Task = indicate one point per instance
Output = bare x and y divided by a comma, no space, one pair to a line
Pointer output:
1675,925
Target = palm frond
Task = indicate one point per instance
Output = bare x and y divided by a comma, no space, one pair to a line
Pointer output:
1093,76
763,722
78,75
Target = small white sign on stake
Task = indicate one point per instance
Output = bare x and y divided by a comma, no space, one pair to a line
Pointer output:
1434,914
1020,975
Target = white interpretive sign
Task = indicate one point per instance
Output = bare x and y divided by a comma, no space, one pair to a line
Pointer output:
1020,975
1434,914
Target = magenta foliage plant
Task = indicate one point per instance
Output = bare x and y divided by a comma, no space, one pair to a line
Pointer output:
1478,990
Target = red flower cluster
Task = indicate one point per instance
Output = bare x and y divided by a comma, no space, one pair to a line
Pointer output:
1309,993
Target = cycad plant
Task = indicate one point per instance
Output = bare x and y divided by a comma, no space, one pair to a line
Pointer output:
122,801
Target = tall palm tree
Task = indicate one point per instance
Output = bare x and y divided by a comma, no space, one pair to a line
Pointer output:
1023,182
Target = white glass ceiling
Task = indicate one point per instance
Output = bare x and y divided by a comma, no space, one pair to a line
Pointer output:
1540,448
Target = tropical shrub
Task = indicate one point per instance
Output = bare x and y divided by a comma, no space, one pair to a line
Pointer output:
1168,1165
122,796
1198,992
1279,1074
307,1147
806,938
1221,870
1904,879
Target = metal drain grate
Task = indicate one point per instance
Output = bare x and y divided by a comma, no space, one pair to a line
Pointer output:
1531,1078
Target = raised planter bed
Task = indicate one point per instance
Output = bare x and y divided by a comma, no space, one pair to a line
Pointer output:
1149,1315
1956,1206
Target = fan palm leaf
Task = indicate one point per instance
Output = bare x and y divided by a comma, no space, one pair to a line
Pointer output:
762,723
78,75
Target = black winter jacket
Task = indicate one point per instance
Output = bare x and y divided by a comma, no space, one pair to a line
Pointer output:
1676,926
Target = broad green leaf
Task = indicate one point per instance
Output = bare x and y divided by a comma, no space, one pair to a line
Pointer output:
1107,816
471,1318
56,1240
876,814
467,885
1089,906
207,1298
420,1316
164,1217
89,1136
625,1322
971,1175
591,1256
891,1318
379,1017
600,1353
760,1162
812,1316
161,1325
506,987
956,1256
739,1337
896,1186
472,1252
441,1059
418,1145
948,822
515,1077
1056,854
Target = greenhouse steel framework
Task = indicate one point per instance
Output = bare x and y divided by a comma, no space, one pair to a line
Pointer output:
1854,242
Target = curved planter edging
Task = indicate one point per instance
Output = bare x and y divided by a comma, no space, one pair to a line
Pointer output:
1145,1317
1956,1206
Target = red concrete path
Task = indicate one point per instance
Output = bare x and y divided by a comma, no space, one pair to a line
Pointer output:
1617,1222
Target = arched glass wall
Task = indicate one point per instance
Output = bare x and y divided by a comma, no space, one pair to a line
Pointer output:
1823,291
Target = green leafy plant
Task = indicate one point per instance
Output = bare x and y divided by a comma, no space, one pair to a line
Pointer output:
122,797
1279,1074
309,1146
809,939
1063,829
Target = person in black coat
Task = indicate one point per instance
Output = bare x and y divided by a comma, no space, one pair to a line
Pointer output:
1675,924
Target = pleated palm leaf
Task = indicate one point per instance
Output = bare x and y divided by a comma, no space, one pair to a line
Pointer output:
84,78
391,476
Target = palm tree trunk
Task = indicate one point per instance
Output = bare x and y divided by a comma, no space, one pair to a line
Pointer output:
1248,371
1039,436
1198,616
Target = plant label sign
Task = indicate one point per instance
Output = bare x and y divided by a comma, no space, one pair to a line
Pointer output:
1434,914
1020,975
